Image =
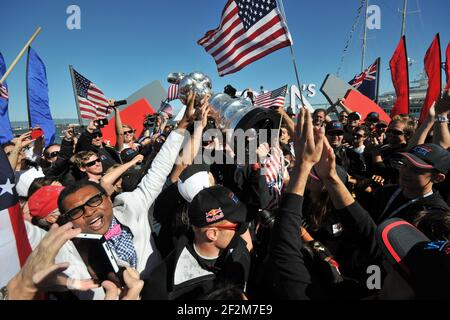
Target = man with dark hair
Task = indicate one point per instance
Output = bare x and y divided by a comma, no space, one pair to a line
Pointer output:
125,225
422,166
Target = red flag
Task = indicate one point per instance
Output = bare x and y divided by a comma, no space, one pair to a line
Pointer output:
447,66
433,69
400,78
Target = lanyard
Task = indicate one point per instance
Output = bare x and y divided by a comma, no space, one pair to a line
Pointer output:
395,195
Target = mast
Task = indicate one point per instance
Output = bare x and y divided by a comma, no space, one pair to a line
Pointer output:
364,39
405,5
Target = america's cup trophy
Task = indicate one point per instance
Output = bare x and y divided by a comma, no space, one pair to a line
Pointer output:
229,113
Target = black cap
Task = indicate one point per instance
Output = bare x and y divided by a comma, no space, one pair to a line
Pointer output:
373,116
128,154
429,156
355,115
334,126
426,264
215,204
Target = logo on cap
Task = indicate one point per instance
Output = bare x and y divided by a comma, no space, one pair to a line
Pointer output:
233,197
214,215
423,150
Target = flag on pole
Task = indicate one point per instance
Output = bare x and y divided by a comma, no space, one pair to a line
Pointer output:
6,133
92,101
14,245
275,98
433,69
38,102
447,66
400,78
367,81
172,92
248,31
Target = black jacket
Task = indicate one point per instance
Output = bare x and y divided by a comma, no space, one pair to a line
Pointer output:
108,155
293,276
60,169
182,275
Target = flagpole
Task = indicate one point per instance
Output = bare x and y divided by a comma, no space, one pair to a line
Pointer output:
364,39
21,53
378,80
292,54
80,121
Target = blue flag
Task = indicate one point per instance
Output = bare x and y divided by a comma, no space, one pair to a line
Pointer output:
6,133
38,105
367,81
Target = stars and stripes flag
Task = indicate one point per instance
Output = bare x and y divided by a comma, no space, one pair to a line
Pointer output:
274,171
14,245
172,92
367,81
4,92
273,98
248,31
91,100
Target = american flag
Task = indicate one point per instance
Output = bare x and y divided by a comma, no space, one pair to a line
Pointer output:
274,170
92,101
273,98
14,245
172,92
248,31
4,92
366,82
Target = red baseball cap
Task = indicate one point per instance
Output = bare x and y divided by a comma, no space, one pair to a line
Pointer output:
44,201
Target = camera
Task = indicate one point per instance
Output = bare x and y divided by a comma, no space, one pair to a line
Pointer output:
100,123
150,120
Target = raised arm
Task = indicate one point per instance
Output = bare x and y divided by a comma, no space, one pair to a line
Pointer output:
441,131
424,129
117,125
19,143
111,177
290,125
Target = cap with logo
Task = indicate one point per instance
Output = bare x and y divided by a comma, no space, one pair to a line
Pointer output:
215,204
429,156
334,126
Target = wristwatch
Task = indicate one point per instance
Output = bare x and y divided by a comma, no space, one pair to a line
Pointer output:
441,118
4,293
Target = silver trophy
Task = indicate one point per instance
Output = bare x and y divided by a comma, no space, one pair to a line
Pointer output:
195,81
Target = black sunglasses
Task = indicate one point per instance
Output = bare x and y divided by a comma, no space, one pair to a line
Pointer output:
52,154
358,136
129,132
343,116
97,135
91,163
335,133
395,132
79,211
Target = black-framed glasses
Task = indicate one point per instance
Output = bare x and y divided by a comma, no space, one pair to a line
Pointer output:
79,211
91,163
395,132
52,154
358,136
335,133
343,117
129,132
97,135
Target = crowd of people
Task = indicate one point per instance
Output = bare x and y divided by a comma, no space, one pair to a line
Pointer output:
352,195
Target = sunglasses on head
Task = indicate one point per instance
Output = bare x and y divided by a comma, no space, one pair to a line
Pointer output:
91,163
395,132
51,154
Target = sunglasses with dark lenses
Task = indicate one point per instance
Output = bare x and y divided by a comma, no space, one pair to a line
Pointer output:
381,126
52,154
129,132
335,133
79,211
97,135
343,117
91,163
395,132
358,136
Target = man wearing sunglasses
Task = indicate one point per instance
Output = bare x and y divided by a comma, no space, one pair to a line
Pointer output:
92,140
213,252
421,168
89,164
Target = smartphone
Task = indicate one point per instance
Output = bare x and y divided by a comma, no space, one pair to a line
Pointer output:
98,258
36,133
100,123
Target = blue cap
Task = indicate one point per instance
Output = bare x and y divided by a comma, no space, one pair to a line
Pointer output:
334,126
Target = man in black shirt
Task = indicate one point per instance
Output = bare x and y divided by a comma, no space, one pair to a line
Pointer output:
422,167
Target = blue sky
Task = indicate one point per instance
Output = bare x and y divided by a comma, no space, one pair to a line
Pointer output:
124,45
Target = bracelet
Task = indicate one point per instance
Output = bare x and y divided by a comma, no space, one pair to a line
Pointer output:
440,118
